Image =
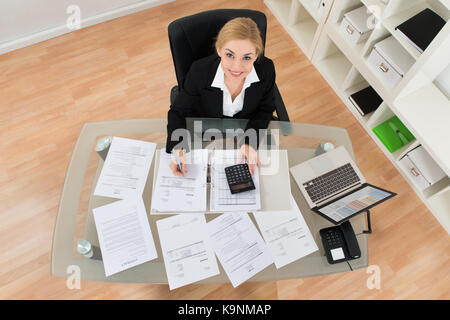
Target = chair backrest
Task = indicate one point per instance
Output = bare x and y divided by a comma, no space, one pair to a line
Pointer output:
192,37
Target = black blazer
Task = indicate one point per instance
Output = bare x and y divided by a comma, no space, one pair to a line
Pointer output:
198,99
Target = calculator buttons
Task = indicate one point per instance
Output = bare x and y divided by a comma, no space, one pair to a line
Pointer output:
239,178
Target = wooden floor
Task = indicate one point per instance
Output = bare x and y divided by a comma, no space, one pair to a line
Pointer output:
123,69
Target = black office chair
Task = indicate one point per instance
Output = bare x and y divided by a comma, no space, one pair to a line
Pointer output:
192,37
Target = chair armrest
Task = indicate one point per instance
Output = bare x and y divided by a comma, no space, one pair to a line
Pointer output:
173,94
280,108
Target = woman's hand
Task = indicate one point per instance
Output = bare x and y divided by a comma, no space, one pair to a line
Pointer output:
173,164
251,155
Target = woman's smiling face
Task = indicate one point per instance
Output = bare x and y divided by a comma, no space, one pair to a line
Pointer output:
237,58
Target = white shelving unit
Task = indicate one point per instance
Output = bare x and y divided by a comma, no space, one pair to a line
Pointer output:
416,100
302,20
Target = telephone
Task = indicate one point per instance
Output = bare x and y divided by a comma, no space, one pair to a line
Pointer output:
340,243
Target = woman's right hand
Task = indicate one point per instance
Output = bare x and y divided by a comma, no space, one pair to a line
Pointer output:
173,164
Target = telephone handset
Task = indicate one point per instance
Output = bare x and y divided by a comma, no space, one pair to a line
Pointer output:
340,243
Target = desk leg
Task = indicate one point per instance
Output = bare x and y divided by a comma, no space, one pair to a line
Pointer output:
369,231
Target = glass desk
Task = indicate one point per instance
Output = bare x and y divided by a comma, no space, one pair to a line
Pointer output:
75,219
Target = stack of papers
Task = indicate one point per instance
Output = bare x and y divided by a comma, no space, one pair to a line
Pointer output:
125,170
123,230
286,234
124,235
188,255
188,193
239,247
189,244
181,193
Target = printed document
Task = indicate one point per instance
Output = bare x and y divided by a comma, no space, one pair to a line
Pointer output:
124,234
188,255
221,199
181,193
286,233
239,247
126,167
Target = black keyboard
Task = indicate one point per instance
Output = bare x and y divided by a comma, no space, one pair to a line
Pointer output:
331,182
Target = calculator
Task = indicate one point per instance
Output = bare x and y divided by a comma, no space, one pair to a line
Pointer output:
239,178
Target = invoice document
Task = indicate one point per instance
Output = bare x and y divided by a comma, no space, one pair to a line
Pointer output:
286,233
239,247
126,167
124,234
181,193
221,199
187,252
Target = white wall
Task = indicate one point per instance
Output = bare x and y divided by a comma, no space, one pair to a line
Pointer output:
24,22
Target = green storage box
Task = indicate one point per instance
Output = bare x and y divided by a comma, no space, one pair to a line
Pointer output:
393,134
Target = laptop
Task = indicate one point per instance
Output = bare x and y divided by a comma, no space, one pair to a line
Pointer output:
335,188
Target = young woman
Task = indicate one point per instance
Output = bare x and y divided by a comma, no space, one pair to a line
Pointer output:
237,82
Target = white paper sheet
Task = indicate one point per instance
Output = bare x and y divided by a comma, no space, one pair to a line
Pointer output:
188,255
124,234
286,233
181,193
125,170
239,247
221,198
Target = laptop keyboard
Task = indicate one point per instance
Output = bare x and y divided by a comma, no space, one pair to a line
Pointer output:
331,182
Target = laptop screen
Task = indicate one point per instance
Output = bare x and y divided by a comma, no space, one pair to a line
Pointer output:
353,203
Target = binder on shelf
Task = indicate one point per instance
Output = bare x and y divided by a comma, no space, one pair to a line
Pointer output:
393,134
366,100
421,29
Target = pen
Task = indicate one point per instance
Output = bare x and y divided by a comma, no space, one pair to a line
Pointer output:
177,159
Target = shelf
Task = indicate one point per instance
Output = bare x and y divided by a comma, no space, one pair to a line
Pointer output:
426,112
397,154
310,7
354,54
412,146
356,47
299,24
280,9
438,189
303,33
377,4
334,68
440,205
392,22
416,100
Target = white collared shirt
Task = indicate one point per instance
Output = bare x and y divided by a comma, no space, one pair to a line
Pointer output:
230,108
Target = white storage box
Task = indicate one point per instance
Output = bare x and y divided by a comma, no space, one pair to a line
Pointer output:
422,169
354,25
390,61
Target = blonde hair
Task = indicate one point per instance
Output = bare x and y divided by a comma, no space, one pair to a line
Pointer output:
240,29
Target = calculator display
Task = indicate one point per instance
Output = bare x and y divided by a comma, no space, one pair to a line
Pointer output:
241,186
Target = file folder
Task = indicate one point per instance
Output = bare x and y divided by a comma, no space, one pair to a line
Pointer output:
393,134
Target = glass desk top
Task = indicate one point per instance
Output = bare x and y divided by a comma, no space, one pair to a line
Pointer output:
75,219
